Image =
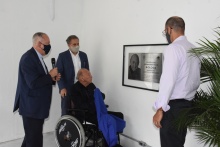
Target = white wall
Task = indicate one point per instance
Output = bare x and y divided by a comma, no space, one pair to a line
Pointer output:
19,20
103,28
108,25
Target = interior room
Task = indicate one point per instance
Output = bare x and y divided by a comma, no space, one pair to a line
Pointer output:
103,28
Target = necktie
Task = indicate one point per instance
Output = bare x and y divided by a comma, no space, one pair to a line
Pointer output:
44,66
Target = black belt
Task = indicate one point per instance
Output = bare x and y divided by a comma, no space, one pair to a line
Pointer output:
178,100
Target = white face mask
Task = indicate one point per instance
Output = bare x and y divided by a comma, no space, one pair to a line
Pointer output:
74,49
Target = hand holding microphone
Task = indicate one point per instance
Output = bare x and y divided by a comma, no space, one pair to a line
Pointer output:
54,72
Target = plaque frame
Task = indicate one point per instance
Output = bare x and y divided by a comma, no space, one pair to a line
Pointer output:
149,69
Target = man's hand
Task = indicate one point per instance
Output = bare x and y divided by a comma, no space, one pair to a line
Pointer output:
58,77
63,92
158,117
53,72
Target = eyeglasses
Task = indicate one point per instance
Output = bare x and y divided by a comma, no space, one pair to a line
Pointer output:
164,33
41,42
44,44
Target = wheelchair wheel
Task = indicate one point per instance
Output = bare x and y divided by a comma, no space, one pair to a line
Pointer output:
69,132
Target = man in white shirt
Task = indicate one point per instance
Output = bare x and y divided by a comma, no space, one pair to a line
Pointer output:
178,83
68,63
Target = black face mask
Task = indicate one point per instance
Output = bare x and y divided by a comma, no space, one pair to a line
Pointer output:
47,49
168,38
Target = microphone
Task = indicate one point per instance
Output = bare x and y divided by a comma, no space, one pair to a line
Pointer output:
53,62
53,66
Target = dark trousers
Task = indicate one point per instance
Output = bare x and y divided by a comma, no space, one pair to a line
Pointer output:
65,105
33,132
169,135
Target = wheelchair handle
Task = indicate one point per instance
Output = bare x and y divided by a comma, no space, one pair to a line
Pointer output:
141,143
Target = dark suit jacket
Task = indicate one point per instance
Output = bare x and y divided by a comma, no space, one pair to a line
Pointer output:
34,88
66,68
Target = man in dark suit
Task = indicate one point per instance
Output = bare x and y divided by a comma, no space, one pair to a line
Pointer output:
68,63
34,90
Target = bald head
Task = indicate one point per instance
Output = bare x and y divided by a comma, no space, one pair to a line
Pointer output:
84,77
174,28
176,23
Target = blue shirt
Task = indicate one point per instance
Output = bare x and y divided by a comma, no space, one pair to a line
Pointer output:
41,60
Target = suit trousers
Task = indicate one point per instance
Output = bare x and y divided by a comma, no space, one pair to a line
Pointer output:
65,105
169,135
33,132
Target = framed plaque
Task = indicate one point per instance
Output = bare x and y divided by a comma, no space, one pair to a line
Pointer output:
142,66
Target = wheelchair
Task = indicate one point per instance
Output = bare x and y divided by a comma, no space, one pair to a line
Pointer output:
76,130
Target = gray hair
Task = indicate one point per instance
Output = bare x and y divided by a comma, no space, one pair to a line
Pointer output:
70,38
37,35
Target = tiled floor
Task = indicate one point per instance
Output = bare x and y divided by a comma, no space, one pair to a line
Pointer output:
48,141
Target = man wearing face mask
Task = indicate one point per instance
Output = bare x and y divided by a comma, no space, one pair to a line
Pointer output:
34,90
68,63
178,83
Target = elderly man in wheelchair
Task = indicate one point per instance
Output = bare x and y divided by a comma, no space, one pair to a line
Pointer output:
88,124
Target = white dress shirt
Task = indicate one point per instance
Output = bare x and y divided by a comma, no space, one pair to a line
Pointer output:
76,63
180,75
